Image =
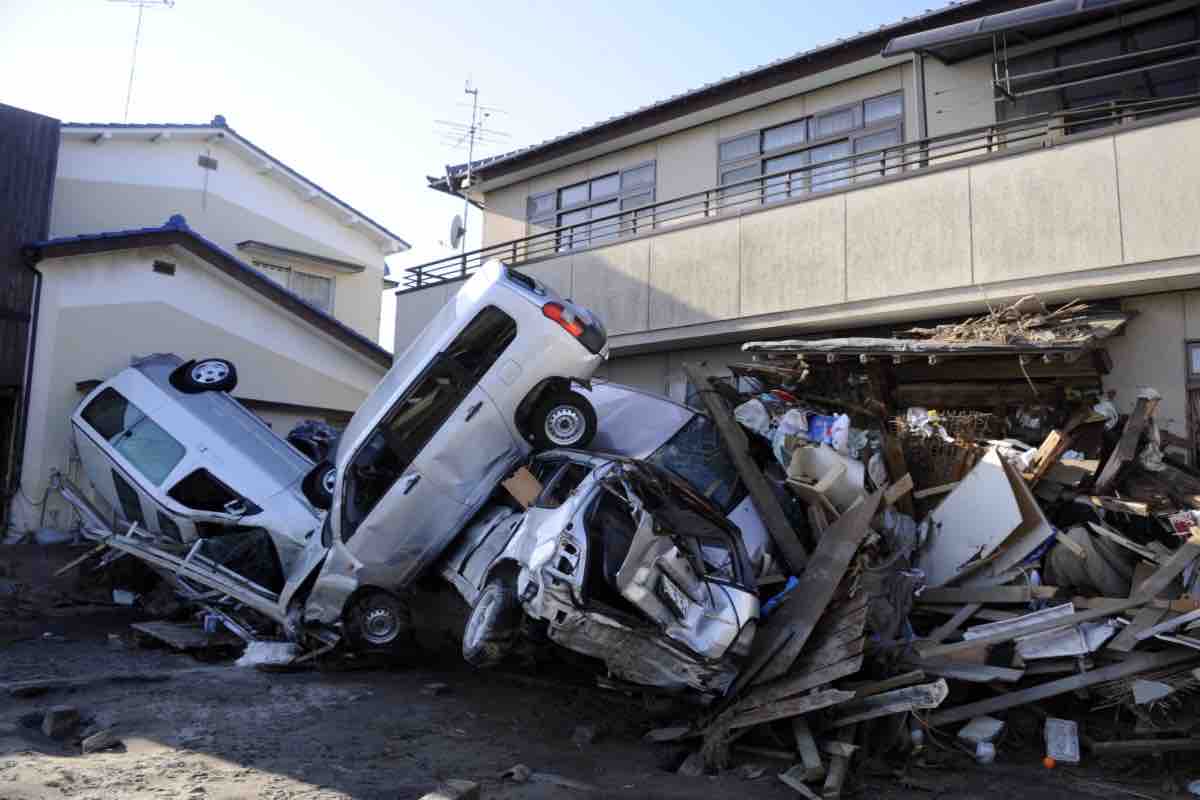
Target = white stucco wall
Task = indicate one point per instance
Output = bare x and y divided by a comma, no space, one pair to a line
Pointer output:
133,182
99,310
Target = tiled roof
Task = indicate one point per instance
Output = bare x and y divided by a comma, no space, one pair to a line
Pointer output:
176,230
220,124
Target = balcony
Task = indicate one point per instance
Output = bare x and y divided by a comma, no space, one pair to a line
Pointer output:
1096,201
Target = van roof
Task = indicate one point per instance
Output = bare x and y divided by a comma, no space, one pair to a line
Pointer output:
238,428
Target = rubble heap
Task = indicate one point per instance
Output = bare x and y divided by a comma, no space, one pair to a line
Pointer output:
942,565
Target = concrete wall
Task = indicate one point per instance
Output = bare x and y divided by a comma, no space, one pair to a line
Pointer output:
99,310
133,183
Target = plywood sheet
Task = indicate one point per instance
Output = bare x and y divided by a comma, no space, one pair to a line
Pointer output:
971,522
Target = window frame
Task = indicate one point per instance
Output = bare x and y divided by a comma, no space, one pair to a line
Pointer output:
583,236
811,142
264,266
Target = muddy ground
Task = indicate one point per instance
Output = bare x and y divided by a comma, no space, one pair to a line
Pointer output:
211,731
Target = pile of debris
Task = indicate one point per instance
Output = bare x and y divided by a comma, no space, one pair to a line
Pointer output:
941,565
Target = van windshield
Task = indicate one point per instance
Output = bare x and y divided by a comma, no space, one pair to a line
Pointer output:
695,454
127,429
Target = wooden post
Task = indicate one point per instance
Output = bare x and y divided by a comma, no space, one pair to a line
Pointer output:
1126,449
734,440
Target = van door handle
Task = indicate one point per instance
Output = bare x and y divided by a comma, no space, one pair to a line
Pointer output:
473,411
410,483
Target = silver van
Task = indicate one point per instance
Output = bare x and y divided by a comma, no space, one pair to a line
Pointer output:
166,448
487,382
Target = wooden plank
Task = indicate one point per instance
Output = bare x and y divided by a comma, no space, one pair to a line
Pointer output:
838,766
986,614
897,701
791,707
898,489
1126,448
1139,662
734,440
1169,625
1100,612
888,684
789,628
943,632
186,637
935,490
893,455
1070,544
1128,544
797,684
75,562
1120,506
987,594
971,673
806,746
1167,571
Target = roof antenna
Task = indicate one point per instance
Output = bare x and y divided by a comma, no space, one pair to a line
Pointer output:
455,134
141,5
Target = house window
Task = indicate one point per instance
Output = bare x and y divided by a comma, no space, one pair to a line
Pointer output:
580,203
316,290
792,153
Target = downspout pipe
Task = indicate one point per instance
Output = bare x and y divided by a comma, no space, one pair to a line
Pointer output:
31,256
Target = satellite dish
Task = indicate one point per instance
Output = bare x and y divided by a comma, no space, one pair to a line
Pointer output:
457,231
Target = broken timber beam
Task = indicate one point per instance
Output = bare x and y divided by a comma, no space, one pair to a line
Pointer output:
925,696
893,455
1130,747
781,640
791,707
806,746
1139,662
1126,449
734,439
944,631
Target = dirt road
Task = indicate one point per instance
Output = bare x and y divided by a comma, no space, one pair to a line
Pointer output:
215,731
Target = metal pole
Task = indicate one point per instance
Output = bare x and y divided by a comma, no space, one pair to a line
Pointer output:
137,35
470,157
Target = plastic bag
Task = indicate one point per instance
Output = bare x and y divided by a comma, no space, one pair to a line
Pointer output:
795,424
839,434
1106,409
753,414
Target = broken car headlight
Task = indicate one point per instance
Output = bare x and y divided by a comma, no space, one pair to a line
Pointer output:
674,596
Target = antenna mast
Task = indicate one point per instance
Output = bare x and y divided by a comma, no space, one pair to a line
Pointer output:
474,129
141,5
456,134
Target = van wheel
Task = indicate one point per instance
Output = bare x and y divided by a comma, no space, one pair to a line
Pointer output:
379,622
491,631
318,485
563,419
205,375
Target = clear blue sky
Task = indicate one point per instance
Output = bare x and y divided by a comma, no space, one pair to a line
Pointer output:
347,92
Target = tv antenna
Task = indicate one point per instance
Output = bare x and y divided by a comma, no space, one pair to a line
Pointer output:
141,6
455,135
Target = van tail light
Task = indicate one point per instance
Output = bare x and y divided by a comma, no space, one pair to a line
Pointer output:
564,317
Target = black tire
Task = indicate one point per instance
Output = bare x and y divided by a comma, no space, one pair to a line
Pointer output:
205,375
563,419
318,485
492,628
379,622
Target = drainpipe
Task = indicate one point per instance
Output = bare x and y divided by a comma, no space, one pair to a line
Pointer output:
16,458
918,59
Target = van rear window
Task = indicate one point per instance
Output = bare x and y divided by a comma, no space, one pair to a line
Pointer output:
127,429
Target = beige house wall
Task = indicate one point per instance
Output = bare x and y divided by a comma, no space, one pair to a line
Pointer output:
1095,217
687,160
97,311
134,183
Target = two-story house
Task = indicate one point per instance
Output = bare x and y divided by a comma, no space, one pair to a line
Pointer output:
975,154
191,239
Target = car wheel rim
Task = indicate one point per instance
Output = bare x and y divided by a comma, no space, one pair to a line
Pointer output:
380,625
210,372
565,425
329,481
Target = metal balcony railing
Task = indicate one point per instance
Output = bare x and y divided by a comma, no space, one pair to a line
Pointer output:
800,182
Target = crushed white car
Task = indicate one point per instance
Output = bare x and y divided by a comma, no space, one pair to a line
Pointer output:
619,560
